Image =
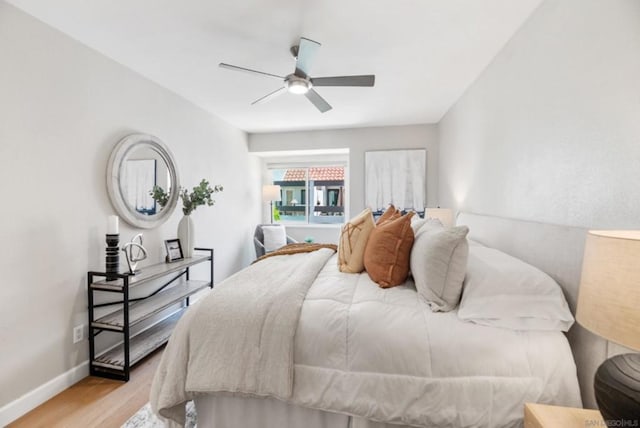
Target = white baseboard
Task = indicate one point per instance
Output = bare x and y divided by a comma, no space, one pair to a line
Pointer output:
32,399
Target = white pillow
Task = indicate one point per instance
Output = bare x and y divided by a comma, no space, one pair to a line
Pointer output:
438,265
274,237
503,291
417,224
476,243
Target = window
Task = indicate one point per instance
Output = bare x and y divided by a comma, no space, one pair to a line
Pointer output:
310,194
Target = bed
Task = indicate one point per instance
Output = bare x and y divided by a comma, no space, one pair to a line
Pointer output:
366,357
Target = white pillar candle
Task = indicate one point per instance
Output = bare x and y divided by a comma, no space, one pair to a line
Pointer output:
112,225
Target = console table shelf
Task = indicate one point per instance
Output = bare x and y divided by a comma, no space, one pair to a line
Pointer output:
176,289
143,309
147,274
140,345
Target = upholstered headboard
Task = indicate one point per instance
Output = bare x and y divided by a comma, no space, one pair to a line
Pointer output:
558,251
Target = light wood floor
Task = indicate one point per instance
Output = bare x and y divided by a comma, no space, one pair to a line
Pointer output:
96,402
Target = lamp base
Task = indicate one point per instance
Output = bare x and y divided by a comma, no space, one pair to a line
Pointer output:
617,388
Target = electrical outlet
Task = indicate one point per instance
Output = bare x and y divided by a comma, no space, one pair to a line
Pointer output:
78,333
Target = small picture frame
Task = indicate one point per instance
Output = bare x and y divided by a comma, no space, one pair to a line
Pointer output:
174,250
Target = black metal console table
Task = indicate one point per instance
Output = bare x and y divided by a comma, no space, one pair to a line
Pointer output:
116,362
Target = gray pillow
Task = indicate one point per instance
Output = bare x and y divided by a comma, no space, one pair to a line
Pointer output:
439,264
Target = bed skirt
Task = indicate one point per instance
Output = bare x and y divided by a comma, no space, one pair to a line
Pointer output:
222,411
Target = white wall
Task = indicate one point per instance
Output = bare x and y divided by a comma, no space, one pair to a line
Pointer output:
324,234
551,130
63,107
358,141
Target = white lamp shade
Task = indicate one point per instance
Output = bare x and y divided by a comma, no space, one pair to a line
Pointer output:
445,215
270,192
609,298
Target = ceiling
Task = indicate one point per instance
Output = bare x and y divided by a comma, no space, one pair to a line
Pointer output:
424,53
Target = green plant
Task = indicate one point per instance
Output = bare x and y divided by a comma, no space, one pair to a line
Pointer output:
159,195
201,195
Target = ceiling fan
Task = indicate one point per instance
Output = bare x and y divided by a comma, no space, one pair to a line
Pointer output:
299,82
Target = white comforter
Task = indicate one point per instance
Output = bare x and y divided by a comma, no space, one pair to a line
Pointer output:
383,355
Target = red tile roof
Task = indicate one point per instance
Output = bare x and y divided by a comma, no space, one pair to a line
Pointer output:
316,174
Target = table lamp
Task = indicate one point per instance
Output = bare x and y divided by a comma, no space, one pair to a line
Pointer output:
445,215
270,193
609,306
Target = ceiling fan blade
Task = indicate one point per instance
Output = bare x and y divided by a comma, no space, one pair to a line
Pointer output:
364,80
248,70
269,96
306,52
318,101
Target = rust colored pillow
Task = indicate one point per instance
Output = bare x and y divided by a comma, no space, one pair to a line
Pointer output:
388,251
353,240
391,213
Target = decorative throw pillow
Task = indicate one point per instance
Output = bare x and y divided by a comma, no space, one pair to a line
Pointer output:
353,240
386,257
275,237
391,213
439,264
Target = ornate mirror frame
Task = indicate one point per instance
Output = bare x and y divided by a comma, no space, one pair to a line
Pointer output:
121,152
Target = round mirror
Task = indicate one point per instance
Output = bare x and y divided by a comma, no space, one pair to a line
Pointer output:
138,163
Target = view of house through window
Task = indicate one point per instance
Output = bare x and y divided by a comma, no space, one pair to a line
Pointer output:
310,194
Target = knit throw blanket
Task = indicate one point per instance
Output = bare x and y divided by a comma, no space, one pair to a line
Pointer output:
299,247
240,337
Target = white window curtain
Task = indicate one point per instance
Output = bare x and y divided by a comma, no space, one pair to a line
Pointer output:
395,177
140,176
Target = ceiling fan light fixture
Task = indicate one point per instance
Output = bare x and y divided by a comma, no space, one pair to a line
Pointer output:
300,82
299,87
